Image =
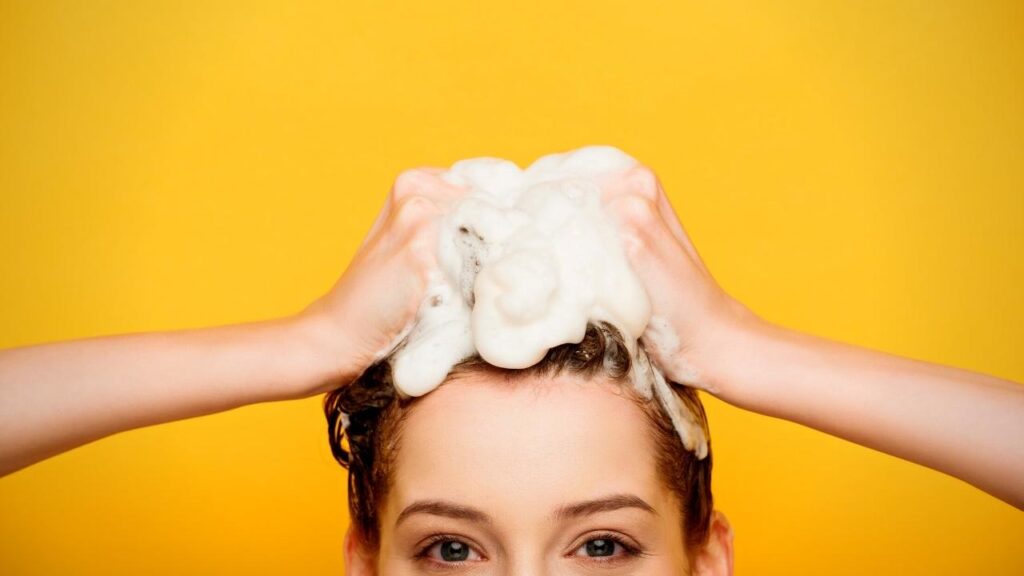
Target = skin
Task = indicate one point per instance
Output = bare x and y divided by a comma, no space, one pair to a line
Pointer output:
54,397
508,490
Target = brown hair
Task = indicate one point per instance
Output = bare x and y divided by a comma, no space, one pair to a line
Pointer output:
365,417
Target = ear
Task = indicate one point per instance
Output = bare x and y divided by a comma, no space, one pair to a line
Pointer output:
715,557
358,559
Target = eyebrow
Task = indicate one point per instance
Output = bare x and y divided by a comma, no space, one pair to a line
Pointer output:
445,509
606,504
577,510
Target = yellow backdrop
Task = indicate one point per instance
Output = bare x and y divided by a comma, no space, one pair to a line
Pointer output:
854,171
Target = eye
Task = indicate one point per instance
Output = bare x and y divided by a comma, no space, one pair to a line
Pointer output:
605,547
600,547
446,549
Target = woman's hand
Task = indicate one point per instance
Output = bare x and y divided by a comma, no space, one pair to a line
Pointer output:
377,298
693,318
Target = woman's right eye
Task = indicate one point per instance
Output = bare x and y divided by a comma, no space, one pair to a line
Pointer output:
450,550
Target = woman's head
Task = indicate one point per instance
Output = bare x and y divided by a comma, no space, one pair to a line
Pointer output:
559,468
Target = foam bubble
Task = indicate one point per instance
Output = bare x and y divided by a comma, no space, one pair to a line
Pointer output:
526,259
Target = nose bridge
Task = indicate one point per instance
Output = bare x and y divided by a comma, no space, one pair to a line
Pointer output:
527,569
528,562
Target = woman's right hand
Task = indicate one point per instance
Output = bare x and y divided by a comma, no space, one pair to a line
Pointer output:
377,297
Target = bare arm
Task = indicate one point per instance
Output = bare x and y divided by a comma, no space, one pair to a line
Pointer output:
965,424
58,396
54,397
962,423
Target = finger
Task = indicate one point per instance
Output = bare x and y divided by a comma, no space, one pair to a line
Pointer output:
641,181
638,180
427,182
382,217
424,181
642,227
671,218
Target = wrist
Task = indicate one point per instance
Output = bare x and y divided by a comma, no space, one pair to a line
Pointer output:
734,350
325,351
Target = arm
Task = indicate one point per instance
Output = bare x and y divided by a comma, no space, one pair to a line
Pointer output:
965,424
54,397
962,423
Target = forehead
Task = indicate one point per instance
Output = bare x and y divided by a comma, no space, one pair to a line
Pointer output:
519,449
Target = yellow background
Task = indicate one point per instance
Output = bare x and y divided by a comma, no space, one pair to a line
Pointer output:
852,169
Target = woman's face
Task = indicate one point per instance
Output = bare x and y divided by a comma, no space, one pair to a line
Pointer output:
553,476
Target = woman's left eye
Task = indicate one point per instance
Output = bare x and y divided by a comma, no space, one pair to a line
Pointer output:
603,547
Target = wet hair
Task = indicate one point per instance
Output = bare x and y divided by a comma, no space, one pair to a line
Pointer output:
365,419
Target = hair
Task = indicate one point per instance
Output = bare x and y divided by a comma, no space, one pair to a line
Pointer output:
365,420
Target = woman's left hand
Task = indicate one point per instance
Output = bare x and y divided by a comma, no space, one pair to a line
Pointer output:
693,318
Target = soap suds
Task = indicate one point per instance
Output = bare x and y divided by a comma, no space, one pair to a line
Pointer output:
662,343
527,258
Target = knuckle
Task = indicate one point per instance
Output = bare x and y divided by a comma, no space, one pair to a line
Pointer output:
418,245
413,210
638,211
412,182
643,181
423,252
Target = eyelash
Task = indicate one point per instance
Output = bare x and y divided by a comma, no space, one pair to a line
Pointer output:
424,553
629,550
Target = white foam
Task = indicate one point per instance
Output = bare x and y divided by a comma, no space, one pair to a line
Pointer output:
527,258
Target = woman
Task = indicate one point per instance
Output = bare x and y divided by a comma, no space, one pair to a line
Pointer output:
57,396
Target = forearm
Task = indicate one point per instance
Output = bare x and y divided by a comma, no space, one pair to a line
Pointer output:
962,423
54,397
